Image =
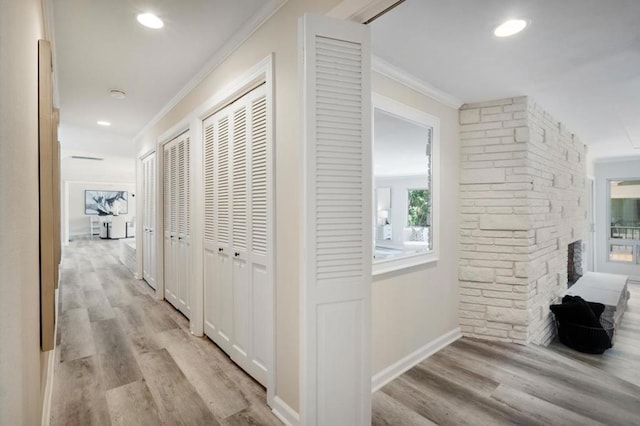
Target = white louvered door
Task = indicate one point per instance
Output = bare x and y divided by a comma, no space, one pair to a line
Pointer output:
176,223
148,219
182,226
337,227
169,263
238,284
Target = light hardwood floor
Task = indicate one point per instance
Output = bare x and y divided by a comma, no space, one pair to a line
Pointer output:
473,382
124,358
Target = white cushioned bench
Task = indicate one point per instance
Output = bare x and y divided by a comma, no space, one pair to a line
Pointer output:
609,289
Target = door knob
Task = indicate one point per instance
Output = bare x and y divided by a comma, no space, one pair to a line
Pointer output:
237,254
220,250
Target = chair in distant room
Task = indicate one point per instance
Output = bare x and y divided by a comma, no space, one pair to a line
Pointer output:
94,226
117,227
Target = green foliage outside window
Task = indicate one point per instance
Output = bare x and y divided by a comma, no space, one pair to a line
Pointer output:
419,207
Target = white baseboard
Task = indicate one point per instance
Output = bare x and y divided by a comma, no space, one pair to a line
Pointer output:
48,389
286,414
414,358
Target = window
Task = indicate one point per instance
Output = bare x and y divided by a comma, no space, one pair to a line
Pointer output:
419,207
624,213
405,183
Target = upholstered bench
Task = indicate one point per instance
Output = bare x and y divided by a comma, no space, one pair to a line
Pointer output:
609,289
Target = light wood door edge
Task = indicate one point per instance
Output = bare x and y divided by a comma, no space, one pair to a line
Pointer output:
46,169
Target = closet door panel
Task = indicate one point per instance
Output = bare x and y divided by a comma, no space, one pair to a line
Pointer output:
239,182
223,302
148,218
241,312
151,244
182,278
210,247
260,311
167,225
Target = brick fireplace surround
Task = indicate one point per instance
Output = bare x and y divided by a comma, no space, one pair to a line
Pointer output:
523,200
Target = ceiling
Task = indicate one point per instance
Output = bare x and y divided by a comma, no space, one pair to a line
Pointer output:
579,59
99,46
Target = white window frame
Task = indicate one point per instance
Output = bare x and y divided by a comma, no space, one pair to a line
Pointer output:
405,112
610,241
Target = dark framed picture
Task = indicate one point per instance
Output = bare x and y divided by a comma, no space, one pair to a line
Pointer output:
106,202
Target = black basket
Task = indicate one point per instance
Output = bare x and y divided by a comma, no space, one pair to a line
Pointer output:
585,339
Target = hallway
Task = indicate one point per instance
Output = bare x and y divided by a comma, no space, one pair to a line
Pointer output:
124,358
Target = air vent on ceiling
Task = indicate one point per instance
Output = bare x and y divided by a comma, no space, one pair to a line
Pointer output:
80,157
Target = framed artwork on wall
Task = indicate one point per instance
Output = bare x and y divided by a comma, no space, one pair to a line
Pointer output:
106,202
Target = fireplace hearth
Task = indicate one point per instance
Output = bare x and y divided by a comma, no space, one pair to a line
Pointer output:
574,262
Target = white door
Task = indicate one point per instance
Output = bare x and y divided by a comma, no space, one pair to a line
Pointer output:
218,288
148,219
182,227
337,224
170,218
176,223
238,267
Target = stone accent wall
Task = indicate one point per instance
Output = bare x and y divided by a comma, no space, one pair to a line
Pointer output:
522,189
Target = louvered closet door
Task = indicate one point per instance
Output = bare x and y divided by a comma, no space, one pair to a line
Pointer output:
177,227
252,291
238,288
148,217
182,226
336,359
168,267
218,268
259,172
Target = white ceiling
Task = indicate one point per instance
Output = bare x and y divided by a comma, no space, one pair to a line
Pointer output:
399,146
99,46
579,59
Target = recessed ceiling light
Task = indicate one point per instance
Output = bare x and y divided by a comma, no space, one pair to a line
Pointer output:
150,20
104,123
117,94
510,27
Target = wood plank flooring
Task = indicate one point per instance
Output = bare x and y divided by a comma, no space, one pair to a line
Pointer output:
473,382
123,358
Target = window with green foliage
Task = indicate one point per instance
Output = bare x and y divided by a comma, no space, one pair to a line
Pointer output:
419,207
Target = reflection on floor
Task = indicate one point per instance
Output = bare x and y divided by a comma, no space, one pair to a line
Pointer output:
124,358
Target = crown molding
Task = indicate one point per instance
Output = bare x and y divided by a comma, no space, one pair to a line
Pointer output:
361,10
239,37
393,72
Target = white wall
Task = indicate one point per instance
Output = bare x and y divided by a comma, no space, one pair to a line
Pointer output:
605,171
414,307
400,200
113,173
21,362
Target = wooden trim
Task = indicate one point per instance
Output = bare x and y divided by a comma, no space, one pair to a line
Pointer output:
57,241
47,223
